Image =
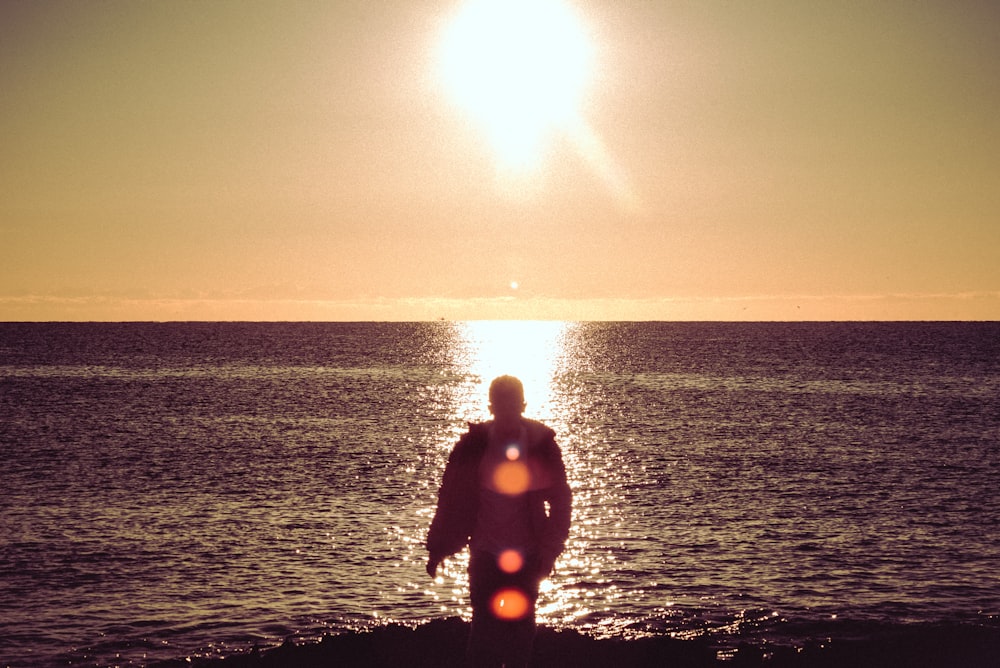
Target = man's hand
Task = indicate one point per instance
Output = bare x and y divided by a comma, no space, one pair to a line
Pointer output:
432,566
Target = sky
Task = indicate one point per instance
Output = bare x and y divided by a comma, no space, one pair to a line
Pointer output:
416,160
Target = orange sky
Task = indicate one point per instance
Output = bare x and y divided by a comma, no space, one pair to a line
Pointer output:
304,161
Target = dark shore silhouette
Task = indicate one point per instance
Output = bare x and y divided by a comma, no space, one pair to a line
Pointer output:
441,644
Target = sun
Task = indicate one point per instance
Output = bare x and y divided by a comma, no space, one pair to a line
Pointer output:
520,67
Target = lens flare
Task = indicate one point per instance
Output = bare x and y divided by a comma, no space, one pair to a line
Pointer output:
510,561
509,604
513,452
511,478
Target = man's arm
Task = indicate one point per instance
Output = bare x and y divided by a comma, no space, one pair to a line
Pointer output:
451,526
560,509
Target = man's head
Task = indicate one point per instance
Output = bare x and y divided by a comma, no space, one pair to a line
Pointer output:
506,398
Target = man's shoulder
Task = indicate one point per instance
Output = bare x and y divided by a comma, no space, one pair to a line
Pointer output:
538,432
478,434
473,440
477,430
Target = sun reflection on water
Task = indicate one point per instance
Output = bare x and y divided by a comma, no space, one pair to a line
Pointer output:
526,349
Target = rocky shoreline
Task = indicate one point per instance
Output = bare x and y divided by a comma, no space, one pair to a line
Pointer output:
441,644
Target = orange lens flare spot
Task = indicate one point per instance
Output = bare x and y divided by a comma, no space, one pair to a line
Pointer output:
511,478
509,604
510,561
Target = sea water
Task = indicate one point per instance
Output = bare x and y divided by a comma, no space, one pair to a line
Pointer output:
197,489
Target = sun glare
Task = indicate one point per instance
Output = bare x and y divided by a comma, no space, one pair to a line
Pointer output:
520,67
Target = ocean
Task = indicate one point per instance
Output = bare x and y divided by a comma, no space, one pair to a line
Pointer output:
183,490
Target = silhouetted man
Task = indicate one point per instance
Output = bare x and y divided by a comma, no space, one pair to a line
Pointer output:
504,494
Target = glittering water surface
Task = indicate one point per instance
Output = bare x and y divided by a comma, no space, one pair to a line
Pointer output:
191,489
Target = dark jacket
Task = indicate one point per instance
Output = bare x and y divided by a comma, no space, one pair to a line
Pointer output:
458,498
